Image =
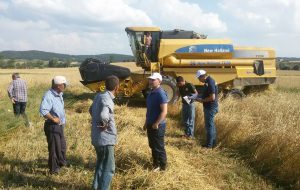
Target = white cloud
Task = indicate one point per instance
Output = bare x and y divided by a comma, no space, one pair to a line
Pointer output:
76,26
15,25
271,23
269,14
93,26
3,5
297,15
113,12
178,14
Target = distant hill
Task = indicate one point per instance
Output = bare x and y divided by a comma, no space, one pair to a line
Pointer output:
41,55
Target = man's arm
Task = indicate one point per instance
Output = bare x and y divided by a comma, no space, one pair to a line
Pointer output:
162,115
52,118
10,92
45,109
210,98
104,117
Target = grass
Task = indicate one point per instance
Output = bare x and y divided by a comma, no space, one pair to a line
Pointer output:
258,144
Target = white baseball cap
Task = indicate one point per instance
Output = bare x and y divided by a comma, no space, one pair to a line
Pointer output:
155,76
60,80
200,73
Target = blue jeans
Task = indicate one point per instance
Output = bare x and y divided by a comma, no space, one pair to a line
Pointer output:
188,117
105,167
209,116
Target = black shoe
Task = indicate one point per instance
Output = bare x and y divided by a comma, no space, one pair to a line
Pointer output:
55,172
65,164
206,146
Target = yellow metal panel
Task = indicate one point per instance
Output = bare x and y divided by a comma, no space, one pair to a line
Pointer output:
247,72
169,46
270,51
221,75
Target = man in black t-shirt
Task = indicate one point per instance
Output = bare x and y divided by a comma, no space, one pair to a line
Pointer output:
209,99
188,107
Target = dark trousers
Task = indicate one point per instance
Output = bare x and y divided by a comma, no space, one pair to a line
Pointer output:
157,145
56,146
19,108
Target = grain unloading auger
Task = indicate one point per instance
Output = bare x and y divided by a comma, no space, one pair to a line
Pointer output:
181,53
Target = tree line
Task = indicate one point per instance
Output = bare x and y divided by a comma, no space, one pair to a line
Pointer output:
30,64
286,65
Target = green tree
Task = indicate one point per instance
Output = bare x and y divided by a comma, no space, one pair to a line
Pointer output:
53,63
11,63
283,66
296,67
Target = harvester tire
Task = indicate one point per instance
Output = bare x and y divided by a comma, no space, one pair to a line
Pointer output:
236,93
169,85
145,92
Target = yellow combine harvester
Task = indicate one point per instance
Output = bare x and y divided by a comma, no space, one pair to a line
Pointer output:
181,53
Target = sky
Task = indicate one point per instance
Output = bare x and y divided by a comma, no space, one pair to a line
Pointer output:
81,27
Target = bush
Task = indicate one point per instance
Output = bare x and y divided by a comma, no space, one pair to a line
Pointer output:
296,67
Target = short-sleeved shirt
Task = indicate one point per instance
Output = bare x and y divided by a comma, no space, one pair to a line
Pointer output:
210,87
186,90
154,99
53,103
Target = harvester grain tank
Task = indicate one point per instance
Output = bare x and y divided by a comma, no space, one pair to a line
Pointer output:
181,53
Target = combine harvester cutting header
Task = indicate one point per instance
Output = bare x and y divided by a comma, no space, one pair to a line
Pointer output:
181,53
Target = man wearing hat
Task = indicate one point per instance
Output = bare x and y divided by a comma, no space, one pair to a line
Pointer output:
155,123
52,109
209,99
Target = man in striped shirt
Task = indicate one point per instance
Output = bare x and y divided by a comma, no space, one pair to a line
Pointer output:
17,92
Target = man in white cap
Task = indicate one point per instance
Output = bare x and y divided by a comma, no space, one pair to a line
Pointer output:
52,109
155,123
209,99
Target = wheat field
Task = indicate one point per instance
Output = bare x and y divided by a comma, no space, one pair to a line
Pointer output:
259,141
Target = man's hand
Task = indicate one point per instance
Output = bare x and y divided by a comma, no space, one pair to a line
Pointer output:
56,120
13,100
155,126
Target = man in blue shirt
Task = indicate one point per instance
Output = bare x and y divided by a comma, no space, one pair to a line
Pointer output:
104,133
209,99
155,123
52,109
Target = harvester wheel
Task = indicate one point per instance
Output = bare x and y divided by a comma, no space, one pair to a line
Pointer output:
236,93
145,92
169,85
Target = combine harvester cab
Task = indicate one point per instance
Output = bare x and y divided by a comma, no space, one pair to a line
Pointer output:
181,53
